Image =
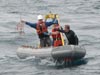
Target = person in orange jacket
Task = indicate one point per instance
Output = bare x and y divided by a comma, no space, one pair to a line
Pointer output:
57,40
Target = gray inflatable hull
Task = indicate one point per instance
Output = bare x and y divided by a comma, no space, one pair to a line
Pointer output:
68,51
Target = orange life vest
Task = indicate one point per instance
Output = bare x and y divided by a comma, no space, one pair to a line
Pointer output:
56,38
41,28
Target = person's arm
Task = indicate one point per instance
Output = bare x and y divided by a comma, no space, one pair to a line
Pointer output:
33,25
51,22
54,33
50,33
61,30
47,33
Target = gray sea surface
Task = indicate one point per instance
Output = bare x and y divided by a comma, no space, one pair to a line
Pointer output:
82,15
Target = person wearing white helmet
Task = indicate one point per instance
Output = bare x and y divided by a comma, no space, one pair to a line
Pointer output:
42,28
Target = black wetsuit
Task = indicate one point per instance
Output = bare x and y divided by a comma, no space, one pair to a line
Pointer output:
72,38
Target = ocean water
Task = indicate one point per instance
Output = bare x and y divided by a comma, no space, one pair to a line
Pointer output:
82,15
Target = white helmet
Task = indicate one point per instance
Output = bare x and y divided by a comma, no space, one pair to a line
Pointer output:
39,17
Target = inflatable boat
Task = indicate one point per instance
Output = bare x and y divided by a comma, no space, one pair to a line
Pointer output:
68,51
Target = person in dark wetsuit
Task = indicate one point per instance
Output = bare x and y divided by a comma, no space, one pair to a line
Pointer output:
42,29
70,34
